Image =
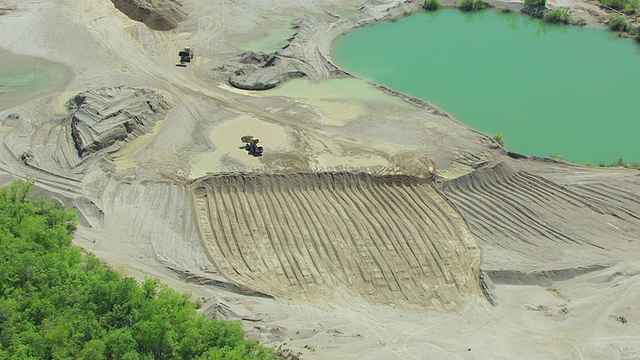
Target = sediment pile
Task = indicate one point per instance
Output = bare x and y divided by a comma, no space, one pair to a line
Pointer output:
102,118
156,14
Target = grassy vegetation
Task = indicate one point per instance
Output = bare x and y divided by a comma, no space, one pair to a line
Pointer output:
538,8
57,302
499,139
618,23
554,155
621,162
431,5
629,7
558,16
473,5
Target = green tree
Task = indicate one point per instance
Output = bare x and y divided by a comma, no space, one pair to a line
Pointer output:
473,5
631,7
618,23
535,7
431,5
57,302
93,350
558,16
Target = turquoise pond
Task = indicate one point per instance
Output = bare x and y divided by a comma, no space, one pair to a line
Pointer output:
23,78
546,88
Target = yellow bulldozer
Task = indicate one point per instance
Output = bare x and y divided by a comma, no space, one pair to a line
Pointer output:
186,55
252,145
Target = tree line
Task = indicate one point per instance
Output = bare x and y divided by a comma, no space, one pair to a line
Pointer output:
59,302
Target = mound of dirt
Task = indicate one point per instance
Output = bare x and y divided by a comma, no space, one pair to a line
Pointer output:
156,14
101,118
262,71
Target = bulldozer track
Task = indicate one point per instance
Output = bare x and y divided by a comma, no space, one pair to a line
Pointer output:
313,235
517,212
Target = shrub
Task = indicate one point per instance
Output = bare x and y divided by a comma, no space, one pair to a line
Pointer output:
473,5
620,161
558,16
618,23
499,139
614,4
431,5
535,8
636,36
554,155
535,3
631,7
627,6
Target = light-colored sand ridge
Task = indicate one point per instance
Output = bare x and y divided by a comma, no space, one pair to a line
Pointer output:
310,236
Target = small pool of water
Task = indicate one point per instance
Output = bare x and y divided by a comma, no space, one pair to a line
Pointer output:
22,78
546,88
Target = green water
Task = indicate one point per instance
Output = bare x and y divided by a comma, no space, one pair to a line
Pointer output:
544,87
23,78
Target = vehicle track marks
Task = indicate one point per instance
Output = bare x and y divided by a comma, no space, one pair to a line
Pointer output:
315,235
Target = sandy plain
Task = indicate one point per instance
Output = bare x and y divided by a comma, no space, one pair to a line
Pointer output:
444,246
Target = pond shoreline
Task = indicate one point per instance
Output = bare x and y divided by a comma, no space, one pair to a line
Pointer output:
399,59
23,78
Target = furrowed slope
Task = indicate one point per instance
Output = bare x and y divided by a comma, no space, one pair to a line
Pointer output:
314,235
529,222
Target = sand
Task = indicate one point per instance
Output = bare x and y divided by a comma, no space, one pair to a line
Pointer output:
528,258
23,78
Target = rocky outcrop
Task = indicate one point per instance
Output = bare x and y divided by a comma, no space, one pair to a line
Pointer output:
105,117
156,14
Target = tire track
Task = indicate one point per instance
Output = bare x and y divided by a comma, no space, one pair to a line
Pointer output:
323,234
519,215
